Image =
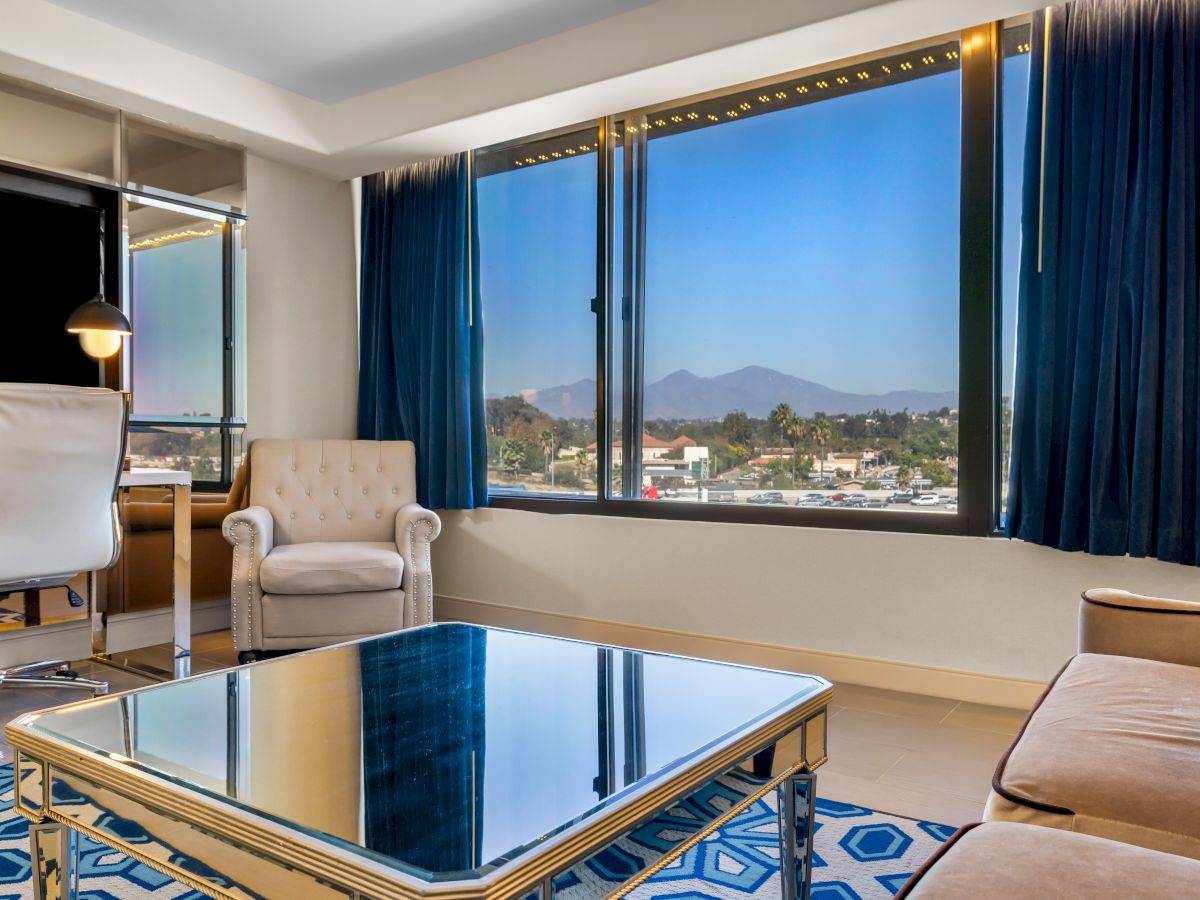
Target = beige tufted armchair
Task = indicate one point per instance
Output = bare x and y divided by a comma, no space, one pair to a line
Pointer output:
333,545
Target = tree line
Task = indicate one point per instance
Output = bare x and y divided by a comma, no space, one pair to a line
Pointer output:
523,440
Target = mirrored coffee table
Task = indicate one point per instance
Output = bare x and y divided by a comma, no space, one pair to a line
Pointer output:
449,761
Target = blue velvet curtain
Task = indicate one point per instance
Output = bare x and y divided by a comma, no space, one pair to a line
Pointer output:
424,745
420,327
1105,450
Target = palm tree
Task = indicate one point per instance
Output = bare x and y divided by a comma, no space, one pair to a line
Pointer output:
797,428
821,433
547,440
582,464
780,418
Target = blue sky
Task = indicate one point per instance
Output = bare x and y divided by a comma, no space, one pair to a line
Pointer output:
821,241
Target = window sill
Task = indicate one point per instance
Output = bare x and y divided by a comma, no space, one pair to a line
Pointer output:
906,522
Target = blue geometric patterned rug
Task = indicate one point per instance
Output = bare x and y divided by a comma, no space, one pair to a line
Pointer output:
858,854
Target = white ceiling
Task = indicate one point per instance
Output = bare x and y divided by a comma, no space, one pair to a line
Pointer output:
330,51
134,54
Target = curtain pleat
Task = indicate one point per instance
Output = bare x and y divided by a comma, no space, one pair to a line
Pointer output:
1105,452
421,332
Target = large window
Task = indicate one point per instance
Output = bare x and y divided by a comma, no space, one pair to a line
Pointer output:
537,240
789,280
800,298
185,286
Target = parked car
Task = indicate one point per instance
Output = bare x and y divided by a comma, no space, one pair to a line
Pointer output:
813,496
900,497
767,497
855,501
952,505
875,503
925,500
837,498
811,501
747,476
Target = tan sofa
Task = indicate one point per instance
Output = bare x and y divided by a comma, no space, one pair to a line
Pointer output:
1096,796
1112,748
1007,861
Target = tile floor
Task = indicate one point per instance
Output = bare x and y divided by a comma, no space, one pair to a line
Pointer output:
907,754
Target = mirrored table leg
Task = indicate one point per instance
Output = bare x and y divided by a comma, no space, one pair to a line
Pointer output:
53,855
797,814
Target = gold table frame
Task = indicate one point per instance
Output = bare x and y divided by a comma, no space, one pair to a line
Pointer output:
257,855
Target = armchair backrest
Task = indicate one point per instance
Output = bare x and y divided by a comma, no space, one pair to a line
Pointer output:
332,490
61,450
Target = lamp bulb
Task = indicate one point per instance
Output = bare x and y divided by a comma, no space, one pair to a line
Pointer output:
100,344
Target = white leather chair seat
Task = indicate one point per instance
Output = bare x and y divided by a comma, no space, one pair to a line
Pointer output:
332,568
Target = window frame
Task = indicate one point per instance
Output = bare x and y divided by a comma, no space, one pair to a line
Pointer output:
981,55
230,421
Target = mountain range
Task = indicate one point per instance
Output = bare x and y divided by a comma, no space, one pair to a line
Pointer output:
754,389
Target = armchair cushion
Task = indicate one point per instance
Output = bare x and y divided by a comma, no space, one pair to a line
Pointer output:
337,567
1111,750
1123,624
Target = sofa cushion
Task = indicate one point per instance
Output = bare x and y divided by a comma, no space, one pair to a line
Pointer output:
1113,749
337,567
1006,861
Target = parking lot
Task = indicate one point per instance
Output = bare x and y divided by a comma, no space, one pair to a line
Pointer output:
947,498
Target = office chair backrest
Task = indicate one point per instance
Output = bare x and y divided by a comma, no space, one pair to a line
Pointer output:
61,450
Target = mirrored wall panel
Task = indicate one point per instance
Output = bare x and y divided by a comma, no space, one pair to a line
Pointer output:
57,132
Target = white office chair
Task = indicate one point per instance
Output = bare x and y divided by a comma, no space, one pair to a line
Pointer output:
61,450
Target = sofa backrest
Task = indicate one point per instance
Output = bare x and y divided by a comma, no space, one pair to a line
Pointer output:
332,490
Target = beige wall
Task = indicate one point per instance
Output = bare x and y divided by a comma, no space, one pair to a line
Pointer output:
301,319
991,606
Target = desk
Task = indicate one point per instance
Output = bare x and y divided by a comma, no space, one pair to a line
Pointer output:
181,590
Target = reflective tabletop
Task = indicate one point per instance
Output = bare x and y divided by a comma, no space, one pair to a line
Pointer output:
443,751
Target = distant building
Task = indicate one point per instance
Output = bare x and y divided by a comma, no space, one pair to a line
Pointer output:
657,468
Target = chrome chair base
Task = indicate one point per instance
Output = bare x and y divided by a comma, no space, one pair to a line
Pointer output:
50,674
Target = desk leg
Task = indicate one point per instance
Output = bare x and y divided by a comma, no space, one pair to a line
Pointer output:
99,603
54,857
797,814
182,572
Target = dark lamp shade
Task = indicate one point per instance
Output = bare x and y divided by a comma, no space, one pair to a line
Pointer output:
96,315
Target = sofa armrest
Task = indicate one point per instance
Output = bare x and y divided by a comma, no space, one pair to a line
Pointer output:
251,531
416,528
1119,623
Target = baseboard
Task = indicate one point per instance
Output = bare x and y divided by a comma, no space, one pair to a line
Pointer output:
127,631
954,684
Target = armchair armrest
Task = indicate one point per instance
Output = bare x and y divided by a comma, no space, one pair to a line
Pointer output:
416,528
1123,624
251,531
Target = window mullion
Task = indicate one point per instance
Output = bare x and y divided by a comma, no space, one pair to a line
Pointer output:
977,247
602,305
